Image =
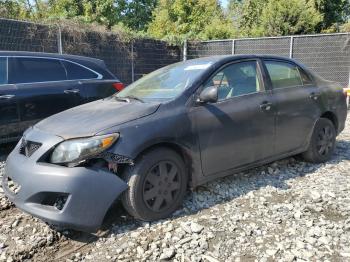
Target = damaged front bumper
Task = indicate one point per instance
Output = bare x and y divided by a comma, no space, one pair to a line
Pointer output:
76,198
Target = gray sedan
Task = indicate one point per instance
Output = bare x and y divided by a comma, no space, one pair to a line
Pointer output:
178,127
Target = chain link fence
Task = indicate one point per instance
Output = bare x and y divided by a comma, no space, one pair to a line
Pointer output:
128,60
328,55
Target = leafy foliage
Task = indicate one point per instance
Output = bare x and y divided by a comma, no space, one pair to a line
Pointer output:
289,17
14,9
247,14
193,19
345,27
275,17
176,20
136,15
334,12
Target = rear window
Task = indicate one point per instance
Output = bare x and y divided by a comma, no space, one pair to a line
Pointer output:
75,72
29,70
3,70
283,74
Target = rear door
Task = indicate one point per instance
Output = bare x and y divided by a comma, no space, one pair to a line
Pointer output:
9,113
89,83
42,88
298,105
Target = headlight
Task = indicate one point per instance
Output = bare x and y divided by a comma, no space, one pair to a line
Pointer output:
76,150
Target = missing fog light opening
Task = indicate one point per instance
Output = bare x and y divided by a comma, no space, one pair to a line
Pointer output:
60,202
113,167
116,159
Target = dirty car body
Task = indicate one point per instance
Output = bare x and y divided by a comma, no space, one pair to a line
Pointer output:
264,117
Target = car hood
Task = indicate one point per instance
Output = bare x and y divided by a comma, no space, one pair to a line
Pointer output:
89,119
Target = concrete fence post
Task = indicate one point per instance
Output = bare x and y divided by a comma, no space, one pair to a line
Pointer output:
59,41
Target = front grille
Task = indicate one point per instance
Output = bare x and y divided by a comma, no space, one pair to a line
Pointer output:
28,148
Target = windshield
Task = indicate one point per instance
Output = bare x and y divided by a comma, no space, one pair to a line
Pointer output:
165,83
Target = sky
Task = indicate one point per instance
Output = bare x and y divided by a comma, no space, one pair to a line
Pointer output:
224,3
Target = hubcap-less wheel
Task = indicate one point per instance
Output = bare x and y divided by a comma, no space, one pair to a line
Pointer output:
322,142
157,184
161,186
325,141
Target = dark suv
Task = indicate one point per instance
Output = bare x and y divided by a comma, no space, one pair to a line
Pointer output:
36,85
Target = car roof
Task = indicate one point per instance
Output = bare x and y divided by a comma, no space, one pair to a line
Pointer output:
219,60
53,55
224,58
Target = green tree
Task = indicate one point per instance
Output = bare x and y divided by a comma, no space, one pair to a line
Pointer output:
335,13
288,17
133,14
20,9
345,27
99,11
196,19
219,29
247,15
275,17
136,14
67,9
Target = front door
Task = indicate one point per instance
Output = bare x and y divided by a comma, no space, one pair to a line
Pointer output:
239,128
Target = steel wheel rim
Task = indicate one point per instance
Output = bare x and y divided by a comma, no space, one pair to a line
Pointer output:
161,186
325,141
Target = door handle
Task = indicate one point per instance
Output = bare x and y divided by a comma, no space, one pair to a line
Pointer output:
266,106
71,91
6,96
314,96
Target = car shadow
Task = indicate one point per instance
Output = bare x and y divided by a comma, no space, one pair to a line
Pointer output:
117,221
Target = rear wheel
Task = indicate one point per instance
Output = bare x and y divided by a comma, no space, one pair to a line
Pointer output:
157,185
322,142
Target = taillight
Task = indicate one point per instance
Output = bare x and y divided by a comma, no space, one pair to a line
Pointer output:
119,86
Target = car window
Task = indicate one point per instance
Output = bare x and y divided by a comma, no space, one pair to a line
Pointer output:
30,70
75,72
236,79
3,70
305,77
283,74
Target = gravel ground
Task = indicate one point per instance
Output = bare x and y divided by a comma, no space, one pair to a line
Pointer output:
288,211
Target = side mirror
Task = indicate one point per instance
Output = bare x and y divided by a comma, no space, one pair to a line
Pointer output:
208,95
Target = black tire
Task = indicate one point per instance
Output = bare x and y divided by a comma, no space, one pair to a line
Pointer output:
157,185
322,142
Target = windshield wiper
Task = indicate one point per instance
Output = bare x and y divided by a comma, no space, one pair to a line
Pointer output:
122,99
133,98
127,98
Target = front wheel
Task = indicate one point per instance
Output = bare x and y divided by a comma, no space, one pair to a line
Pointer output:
157,185
322,142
